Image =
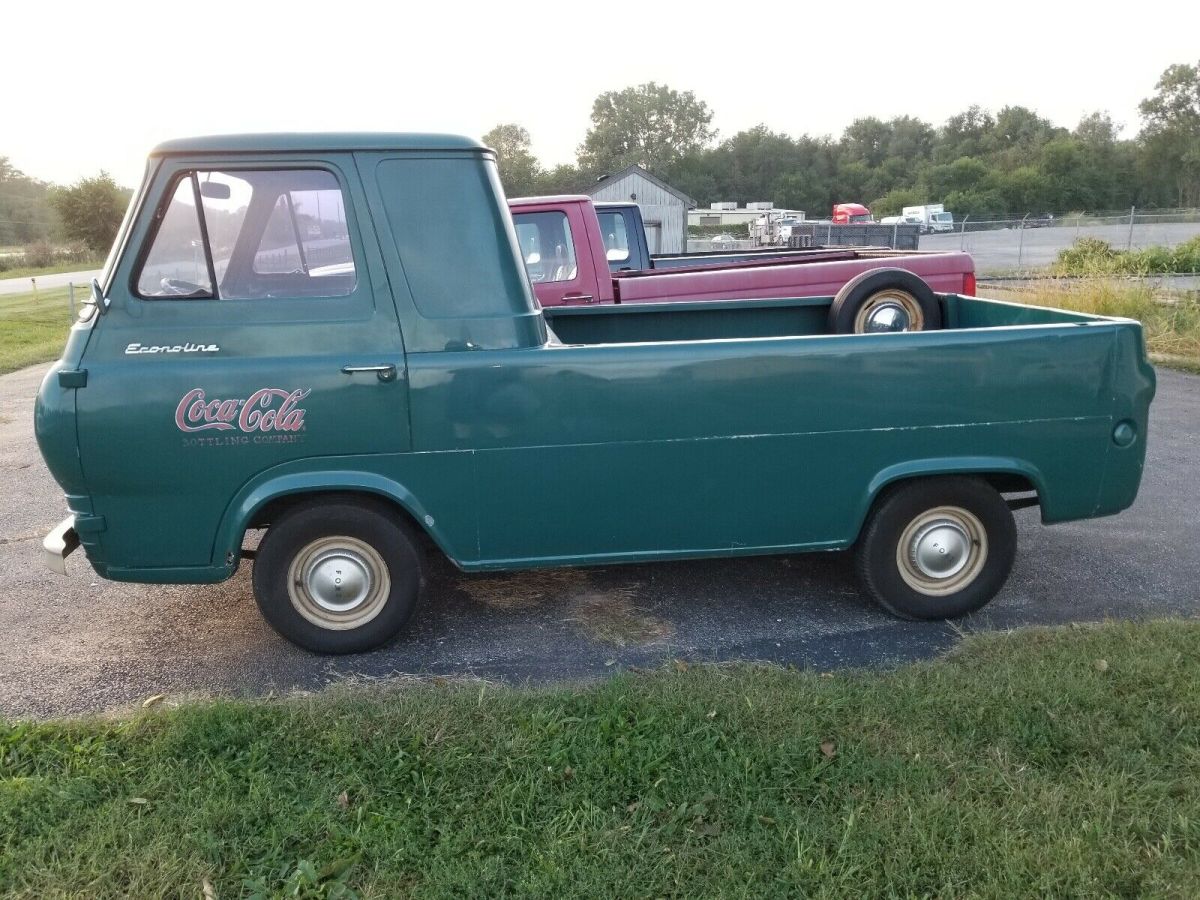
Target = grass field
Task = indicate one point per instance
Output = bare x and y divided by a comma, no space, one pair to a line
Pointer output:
33,329
1041,763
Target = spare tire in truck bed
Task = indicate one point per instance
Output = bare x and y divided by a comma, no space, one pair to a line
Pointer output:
882,301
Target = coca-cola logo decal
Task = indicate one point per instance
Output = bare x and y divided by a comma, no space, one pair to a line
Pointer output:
268,411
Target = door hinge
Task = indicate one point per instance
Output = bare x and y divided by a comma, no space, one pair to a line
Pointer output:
72,378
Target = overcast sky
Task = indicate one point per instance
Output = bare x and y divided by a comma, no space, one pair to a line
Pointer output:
95,85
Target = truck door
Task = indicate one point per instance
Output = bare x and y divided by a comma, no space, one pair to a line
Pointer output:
250,327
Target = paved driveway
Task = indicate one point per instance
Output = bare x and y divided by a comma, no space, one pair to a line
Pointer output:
78,643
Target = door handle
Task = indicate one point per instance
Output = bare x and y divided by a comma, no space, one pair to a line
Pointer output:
384,373
579,298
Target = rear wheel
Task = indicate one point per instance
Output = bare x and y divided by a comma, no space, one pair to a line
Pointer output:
338,576
937,548
884,300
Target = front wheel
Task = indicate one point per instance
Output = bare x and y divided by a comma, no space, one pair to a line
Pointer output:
338,576
937,548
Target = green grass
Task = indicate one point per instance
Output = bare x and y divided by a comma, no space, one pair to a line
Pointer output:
34,329
1042,763
33,272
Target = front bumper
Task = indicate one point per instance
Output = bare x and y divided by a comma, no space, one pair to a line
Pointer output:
59,544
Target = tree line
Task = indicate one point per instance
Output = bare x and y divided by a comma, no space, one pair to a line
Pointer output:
87,212
977,163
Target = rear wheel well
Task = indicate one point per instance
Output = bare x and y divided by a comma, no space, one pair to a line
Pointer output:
1018,490
1008,482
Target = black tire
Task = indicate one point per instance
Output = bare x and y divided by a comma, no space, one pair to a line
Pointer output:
870,287
320,536
902,587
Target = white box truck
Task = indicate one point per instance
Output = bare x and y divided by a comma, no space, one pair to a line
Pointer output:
932,217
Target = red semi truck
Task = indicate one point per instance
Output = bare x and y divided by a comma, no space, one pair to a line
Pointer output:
572,259
851,214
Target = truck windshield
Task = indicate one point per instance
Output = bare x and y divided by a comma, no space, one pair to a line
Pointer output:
857,220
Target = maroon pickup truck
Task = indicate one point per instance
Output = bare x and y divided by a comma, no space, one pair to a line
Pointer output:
570,259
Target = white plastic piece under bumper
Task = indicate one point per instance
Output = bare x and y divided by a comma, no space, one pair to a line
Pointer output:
59,544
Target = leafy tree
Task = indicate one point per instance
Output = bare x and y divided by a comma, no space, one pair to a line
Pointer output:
650,125
965,134
1097,129
1070,183
1019,134
911,140
894,201
91,210
25,213
519,168
964,174
1022,190
866,141
1171,135
564,179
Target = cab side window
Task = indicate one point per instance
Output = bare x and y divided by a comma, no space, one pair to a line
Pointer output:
616,238
546,246
256,233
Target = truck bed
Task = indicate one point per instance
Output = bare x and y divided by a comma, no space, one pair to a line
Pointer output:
818,273
792,317
765,256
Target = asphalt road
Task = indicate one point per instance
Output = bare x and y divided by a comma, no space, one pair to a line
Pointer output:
79,644
45,282
1013,249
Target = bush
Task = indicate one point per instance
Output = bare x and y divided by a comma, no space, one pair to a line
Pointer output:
39,255
1086,256
77,252
1187,256
1091,256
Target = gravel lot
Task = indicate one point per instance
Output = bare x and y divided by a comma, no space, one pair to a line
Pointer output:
80,644
1002,251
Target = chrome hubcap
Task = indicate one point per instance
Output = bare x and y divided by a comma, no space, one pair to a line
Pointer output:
338,582
942,551
887,317
889,311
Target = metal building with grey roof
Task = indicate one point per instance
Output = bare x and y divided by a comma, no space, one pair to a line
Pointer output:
664,209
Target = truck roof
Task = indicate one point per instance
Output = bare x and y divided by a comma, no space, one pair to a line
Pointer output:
301,142
553,198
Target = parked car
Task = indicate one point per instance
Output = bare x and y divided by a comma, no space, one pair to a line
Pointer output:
1043,220
570,247
413,398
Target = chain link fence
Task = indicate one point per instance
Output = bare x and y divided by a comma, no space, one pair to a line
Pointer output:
1006,245
1016,245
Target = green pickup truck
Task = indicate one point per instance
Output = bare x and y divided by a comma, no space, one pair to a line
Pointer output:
333,337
